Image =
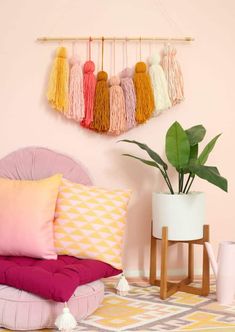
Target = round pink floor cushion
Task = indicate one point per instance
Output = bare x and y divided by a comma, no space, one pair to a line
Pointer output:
20,310
34,163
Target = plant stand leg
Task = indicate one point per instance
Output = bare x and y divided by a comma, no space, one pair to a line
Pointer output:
164,252
190,262
206,266
153,261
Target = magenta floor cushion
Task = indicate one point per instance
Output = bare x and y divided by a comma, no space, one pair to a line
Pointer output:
52,279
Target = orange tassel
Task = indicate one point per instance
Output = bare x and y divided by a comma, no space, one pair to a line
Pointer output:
101,112
144,93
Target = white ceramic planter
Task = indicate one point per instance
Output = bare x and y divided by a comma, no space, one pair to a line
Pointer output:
184,215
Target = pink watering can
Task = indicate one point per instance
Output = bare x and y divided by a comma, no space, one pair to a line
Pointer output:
224,270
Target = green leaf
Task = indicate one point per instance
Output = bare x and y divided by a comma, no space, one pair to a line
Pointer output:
147,162
177,146
215,169
150,152
192,157
211,175
193,152
207,150
152,163
195,134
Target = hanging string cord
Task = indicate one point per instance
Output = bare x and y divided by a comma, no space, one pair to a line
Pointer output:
150,48
102,60
89,48
114,56
140,48
73,51
126,53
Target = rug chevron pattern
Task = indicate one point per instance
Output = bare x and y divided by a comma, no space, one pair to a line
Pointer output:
142,311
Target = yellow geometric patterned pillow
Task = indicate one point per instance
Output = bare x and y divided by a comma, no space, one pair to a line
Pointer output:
90,222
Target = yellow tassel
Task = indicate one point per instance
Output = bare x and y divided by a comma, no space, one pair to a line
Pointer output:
144,93
101,112
57,93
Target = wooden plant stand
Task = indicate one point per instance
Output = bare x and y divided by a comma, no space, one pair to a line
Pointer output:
168,288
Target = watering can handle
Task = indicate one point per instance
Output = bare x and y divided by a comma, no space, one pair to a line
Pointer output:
212,258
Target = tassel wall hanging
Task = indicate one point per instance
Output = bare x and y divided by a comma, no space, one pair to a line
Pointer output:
117,104
76,97
89,83
125,102
57,93
144,93
129,94
101,116
173,75
159,85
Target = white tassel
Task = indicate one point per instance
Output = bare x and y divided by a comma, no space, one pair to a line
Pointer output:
66,322
122,286
159,85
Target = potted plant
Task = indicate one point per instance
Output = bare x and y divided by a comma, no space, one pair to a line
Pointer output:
182,211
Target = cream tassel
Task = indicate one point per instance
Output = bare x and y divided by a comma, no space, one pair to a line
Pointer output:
159,85
65,321
122,286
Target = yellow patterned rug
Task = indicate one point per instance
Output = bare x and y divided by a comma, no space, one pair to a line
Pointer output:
142,310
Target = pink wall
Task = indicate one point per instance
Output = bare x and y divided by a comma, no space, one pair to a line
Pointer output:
208,66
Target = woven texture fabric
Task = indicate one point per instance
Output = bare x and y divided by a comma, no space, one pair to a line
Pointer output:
90,222
143,310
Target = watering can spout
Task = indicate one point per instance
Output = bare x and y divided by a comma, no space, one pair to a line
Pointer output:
212,258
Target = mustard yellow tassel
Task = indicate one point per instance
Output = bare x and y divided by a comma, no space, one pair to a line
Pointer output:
144,93
101,116
57,93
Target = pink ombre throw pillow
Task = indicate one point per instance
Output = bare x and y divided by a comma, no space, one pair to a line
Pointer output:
26,217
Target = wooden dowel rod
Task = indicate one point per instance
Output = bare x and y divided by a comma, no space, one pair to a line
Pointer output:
161,39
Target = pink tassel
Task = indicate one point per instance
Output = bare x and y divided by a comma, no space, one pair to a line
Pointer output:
76,97
174,76
117,107
89,83
179,88
128,88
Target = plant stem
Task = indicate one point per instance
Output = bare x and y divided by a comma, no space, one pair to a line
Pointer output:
179,180
169,182
169,186
166,178
163,172
190,184
182,181
187,182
